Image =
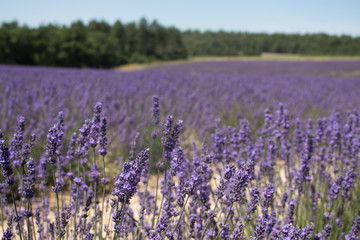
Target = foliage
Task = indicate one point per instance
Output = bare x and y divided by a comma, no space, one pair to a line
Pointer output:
102,45
96,45
244,44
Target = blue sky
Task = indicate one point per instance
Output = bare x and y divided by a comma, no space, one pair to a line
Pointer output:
301,16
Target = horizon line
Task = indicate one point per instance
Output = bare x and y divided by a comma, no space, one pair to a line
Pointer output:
86,22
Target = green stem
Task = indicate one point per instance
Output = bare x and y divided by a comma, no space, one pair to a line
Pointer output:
103,199
161,204
57,199
297,210
76,207
108,224
122,211
78,170
208,223
147,183
117,209
181,213
45,220
32,218
163,196
95,187
62,199
28,222
226,219
2,213
156,195
70,186
136,221
84,176
16,213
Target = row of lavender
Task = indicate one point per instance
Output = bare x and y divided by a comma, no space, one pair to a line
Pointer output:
197,97
298,179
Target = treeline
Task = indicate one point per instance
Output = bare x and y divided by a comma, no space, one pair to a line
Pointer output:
101,45
238,44
97,44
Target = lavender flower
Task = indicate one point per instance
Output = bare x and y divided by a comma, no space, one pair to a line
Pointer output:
78,181
254,200
307,232
290,213
30,179
336,186
229,171
59,185
95,125
288,232
348,183
71,149
155,110
126,182
94,174
177,160
238,232
224,234
103,142
52,144
238,184
259,232
83,140
26,151
16,143
5,163
268,197
355,229
8,235
170,138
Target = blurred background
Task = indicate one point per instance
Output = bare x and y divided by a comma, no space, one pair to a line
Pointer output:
95,34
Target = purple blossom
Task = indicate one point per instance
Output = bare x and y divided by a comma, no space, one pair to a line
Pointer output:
229,171
30,179
307,232
355,229
177,161
52,145
5,163
103,142
348,183
8,234
237,185
259,232
126,182
268,197
94,173
16,143
336,186
78,181
254,200
71,149
238,232
155,110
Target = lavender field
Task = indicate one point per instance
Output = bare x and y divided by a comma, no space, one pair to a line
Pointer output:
200,150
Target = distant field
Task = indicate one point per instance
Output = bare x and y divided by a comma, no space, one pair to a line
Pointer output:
263,57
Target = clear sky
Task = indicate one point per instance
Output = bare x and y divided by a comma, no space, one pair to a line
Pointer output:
285,16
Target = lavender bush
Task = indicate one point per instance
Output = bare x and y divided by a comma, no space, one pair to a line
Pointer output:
283,184
285,173
195,92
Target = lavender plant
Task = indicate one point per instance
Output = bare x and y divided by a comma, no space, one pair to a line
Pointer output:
278,177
